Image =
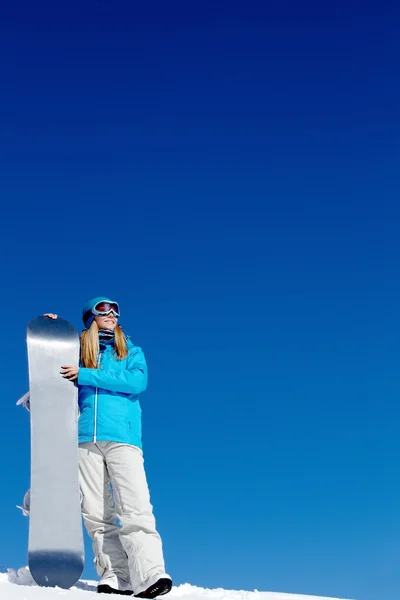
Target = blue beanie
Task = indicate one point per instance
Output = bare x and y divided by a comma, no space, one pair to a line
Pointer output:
87,315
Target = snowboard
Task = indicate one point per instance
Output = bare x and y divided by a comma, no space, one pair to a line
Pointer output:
55,547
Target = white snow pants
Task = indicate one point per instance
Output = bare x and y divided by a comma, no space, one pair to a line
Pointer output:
133,549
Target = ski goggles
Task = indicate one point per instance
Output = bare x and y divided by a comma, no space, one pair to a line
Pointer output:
105,308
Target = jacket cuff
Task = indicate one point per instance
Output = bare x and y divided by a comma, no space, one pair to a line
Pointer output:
84,376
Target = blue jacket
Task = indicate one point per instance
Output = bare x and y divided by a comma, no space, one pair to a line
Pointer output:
109,397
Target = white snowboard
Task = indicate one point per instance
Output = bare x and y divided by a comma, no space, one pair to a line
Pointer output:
55,549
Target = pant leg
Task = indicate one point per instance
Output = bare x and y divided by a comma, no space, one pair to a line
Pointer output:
138,533
99,515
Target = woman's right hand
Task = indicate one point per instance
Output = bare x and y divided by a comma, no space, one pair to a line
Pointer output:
50,315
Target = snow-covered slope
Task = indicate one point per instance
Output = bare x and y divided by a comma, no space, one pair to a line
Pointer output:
18,585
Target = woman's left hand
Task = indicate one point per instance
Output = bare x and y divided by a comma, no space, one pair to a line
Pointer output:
69,372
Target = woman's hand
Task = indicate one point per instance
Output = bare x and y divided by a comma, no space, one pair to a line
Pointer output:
50,315
69,372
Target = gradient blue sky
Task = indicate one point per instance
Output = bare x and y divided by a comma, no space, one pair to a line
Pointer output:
229,172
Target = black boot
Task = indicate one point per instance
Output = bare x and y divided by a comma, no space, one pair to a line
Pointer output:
159,588
106,589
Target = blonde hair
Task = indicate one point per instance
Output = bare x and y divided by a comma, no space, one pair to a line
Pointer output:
90,345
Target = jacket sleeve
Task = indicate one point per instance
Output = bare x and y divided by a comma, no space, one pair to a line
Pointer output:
132,380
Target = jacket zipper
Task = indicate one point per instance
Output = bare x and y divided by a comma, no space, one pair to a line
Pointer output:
95,405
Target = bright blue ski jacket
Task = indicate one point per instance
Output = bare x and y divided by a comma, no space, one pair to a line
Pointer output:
109,397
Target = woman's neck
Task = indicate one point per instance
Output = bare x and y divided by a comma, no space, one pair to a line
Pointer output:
106,336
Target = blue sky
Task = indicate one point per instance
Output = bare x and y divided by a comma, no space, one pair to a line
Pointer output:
229,173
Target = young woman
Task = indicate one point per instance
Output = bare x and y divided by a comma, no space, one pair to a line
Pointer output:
111,375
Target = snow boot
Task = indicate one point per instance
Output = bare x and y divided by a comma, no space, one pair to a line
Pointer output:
159,588
114,585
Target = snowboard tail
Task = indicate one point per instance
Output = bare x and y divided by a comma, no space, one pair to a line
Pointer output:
55,568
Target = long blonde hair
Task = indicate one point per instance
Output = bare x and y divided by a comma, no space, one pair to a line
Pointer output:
90,345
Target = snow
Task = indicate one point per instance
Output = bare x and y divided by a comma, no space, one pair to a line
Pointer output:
17,584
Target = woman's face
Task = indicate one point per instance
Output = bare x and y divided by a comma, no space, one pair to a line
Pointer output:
106,321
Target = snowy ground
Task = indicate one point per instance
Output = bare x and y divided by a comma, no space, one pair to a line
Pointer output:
18,585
